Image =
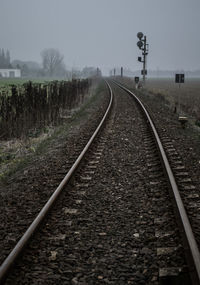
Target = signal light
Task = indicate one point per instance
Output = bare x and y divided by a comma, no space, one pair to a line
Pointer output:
140,44
140,35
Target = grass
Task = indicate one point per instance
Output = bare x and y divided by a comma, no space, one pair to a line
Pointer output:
19,81
188,95
6,83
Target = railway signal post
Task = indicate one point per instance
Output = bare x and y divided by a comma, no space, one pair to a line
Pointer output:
180,78
142,44
136,81
121,71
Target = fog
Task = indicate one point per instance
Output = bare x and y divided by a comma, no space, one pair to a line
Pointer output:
102,33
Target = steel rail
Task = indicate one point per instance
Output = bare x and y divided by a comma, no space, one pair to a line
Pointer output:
192,251
17,250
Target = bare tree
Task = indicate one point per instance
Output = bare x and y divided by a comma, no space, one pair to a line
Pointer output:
52,61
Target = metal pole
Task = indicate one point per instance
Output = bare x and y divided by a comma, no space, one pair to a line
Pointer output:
121,71
144,60
142,44
179,105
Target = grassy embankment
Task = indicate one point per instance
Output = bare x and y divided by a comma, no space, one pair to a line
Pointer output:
19,153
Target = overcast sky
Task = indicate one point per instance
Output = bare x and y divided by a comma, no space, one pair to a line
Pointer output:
103,32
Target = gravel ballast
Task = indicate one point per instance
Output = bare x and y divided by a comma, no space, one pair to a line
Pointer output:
115,223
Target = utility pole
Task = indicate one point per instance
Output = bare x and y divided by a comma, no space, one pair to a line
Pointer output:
121,71
142,44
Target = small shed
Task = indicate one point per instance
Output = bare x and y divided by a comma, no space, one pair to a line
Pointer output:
10,73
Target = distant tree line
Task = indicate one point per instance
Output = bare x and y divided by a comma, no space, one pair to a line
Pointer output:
5,59
52,66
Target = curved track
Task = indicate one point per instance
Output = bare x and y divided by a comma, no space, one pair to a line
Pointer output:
191,248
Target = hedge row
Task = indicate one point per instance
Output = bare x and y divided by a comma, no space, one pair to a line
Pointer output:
37,105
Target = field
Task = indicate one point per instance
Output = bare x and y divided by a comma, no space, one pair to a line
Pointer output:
185,98
20,81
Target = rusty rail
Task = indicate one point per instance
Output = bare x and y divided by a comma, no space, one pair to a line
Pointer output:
17,250
191,250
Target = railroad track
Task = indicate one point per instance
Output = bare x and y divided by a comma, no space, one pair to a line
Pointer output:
25,239
111,209
191,245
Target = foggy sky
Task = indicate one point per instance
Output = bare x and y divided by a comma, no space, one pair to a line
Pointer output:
103,32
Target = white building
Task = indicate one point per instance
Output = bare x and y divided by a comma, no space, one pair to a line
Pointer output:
10,73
